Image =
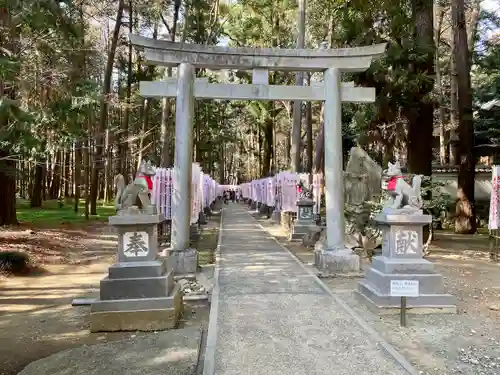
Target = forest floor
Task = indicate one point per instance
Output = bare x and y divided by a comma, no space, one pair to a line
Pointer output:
72,256
466,343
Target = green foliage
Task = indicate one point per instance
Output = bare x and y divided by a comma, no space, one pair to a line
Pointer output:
486,84
399,84
436,202
54,214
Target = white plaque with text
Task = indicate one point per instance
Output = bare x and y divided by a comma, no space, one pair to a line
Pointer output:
404,288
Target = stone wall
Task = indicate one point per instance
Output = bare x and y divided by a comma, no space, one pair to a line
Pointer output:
482,188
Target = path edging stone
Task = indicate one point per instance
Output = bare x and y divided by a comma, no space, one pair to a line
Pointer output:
210,348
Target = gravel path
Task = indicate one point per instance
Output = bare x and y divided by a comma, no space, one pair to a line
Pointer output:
274,317
466,343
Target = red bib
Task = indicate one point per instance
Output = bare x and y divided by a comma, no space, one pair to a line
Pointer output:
391,184
149,181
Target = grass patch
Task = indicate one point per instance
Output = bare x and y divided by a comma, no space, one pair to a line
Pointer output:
51,213
207,244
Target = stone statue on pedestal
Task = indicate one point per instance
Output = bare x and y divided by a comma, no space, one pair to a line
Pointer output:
135,197
402,222
404,199
139,293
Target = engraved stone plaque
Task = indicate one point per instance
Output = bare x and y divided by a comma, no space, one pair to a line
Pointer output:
135,244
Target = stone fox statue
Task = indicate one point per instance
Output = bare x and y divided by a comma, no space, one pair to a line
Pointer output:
137,193
403,196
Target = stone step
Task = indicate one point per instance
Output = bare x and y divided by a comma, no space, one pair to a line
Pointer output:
134,304
402,266
138,287
131,270
148,314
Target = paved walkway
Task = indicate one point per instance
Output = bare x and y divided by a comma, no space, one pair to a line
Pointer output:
271,317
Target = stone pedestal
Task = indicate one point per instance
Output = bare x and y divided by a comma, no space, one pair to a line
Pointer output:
139,293
305,220
202,218
402,259
276,216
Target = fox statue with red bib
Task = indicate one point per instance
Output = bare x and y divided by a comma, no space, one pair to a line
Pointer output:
404,198
135,197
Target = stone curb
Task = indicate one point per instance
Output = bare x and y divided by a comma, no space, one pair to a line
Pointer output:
209,358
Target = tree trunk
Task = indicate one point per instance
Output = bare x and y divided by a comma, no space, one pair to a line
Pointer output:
320,144
78,174
7,190
299,81
165,104
86,157
67,177
420,114
221,164
37,191
465,219
55,185
9,39
443,142
99,136
123,141
268,147
309,142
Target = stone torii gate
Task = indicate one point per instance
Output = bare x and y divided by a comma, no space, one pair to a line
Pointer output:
185,88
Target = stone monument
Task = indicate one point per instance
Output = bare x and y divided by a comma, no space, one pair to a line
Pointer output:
363,183
402,221
139,293
276,214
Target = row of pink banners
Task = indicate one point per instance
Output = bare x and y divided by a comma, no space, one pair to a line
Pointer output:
282,191
204,190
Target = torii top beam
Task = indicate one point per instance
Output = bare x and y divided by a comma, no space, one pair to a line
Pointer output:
161,52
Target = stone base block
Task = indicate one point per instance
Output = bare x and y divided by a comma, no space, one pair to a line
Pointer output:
194,232
299,230
145,314
312,236
286,220
376,287
138,287
402,265
276,217
131,270
423,304
337,262
183,261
